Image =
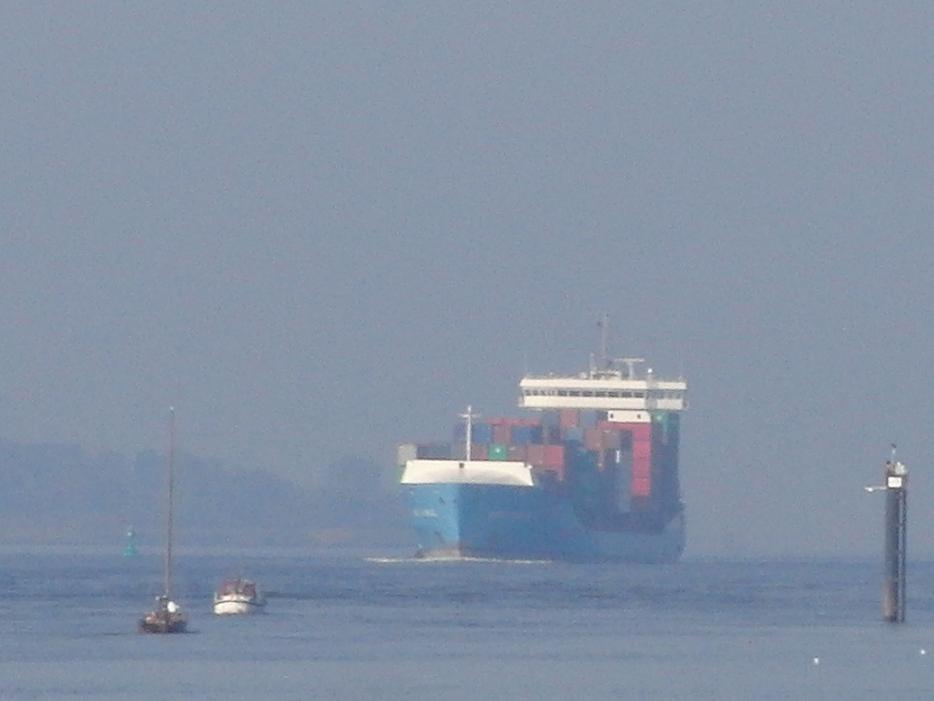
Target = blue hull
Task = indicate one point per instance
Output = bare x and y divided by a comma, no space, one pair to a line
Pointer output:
509,522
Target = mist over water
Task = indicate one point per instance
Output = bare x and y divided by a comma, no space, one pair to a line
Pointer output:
320,230
324,229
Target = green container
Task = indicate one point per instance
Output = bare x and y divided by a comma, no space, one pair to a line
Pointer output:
497,451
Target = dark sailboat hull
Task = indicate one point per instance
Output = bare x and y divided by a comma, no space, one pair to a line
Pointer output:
154,623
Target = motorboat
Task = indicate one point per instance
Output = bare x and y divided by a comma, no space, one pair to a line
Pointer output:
238,596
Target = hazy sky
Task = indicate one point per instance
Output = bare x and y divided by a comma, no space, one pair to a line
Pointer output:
321,229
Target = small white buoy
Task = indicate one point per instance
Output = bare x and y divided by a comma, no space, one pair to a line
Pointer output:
816,661
922,652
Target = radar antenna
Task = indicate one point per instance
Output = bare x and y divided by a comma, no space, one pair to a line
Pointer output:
630,364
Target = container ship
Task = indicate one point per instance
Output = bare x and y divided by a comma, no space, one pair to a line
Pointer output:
590,475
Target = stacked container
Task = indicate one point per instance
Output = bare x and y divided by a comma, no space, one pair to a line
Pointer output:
625,467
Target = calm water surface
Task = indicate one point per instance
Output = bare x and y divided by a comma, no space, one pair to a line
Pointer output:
348,626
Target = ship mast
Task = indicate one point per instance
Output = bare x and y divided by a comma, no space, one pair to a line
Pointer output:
604,325
169,514
468,418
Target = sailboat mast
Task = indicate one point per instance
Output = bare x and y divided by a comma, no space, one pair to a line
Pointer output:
169,514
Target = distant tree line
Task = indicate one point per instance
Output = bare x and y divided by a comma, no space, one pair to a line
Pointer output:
63,494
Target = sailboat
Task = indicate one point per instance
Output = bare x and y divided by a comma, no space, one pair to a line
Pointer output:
167,616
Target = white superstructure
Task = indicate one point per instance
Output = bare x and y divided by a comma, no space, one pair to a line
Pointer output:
611,389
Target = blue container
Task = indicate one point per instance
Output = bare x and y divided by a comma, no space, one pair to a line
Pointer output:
480,433
551,419
522,435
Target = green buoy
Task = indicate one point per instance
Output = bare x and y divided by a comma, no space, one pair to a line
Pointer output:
130,549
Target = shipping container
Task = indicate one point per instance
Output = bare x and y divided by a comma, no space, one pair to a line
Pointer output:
641,468
621,485
666,427
498,451
550,419
513,421
406,452
602,439
569,418
535,454
516,452
642,449
433,451
640,488
479,433
553,456
549,474
639,432
593,439
526,434
478,451
502,434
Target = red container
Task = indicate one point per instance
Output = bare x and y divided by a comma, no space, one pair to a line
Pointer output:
641,468
535,454
641,449
554,456
501,433
512,421
641,432
593,439
640,488
602,439
568,418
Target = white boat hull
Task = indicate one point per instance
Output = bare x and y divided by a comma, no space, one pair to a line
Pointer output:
229,606
237,605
